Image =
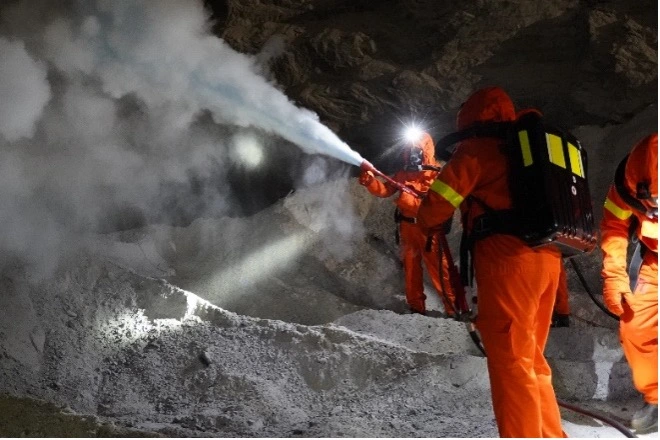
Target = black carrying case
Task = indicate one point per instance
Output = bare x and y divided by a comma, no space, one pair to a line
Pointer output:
549,187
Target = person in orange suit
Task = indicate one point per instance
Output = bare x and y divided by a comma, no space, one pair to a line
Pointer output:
415,246
562,312
631,211
517,284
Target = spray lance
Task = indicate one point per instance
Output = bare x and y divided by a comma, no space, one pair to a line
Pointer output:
368,166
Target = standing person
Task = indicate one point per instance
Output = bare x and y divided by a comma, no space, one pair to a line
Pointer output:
517,284
562,312
415,246
631,213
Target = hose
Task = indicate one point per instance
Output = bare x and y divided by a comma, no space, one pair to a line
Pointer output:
577,270
472,330
613,423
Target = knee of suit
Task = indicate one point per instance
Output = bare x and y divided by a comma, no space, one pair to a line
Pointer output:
509,344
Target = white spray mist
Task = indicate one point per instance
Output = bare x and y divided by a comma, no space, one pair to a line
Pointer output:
164,51
99,109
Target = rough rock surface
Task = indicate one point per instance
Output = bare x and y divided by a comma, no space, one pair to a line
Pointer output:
134,350
126,345
365,66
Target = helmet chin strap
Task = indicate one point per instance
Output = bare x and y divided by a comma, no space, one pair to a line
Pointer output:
653,212
642,192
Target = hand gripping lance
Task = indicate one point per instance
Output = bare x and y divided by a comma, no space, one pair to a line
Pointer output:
368,166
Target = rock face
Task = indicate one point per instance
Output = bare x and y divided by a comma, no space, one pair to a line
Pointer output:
365,66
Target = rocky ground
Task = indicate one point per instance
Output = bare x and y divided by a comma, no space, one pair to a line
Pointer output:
110,336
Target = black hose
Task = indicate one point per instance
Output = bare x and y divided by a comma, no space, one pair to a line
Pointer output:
613,423
472,330
588,290
445,297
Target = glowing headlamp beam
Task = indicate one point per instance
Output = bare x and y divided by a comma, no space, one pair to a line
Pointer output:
412,133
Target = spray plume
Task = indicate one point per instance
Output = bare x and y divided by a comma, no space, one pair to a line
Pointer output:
100,106
164,52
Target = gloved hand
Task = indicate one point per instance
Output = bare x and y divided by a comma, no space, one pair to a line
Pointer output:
613,297
366,177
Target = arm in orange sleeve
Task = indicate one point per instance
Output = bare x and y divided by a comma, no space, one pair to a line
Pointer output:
615,226
375,186
407,202
420,183
453,184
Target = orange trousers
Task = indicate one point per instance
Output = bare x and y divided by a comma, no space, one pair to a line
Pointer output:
517,287
638,329
413,252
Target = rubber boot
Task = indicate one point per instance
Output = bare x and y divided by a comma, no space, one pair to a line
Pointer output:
416,312
645,419
559,320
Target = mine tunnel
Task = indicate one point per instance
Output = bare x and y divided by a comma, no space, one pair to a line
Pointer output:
187,248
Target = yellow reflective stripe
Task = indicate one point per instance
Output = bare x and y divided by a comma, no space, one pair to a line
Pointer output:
523,137
576,160
555,150
447,192
621,214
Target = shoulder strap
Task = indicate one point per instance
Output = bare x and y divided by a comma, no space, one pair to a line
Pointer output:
619,184
466,246
498,130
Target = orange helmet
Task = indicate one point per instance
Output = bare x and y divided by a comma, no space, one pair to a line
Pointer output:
527,111
488,104
637,176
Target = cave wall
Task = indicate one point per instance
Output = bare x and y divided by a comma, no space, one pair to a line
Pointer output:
366,66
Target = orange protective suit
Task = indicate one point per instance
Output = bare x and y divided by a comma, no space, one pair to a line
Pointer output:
413,242
637,307
517,284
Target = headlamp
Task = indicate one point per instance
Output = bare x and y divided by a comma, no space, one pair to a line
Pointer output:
648,201
413,134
